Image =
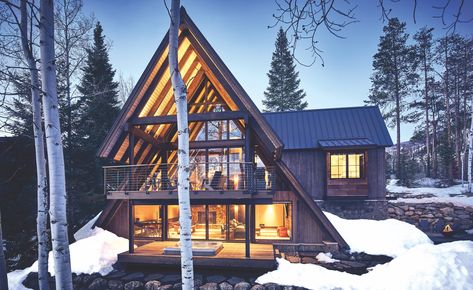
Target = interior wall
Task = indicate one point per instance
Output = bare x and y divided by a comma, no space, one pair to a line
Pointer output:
270,215
146,212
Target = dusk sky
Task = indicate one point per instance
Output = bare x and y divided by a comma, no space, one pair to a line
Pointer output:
238,31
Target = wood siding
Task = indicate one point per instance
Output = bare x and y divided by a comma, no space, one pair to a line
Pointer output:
118,223
310,168
306,227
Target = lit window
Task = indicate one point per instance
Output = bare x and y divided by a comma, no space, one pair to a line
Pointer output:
347,165
273,221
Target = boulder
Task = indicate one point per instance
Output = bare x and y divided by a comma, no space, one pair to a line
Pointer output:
225,286
209,286
134,285
115,285
152,285
215,279
98,284
242,286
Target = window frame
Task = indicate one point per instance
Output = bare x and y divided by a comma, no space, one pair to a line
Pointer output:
346,153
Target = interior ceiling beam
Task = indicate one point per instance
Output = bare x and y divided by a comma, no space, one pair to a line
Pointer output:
159,144
169,119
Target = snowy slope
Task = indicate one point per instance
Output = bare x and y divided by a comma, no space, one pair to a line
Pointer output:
445,266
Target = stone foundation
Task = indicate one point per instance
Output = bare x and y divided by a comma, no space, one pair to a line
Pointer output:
356,209
432,217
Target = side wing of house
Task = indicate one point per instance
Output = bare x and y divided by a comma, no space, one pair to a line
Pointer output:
336,154
240,186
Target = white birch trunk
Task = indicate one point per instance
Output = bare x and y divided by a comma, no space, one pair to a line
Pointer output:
3,264
42,194
470,152
57,182
180,97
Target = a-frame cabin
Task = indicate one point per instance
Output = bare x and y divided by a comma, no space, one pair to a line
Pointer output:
244,198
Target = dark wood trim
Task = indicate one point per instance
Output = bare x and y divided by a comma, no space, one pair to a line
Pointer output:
198,117
131,223
247,231
131,148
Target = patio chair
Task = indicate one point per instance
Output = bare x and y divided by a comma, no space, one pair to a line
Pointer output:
259,178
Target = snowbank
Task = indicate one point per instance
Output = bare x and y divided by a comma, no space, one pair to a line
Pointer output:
386,237
426,266
325,258
94,254
462,201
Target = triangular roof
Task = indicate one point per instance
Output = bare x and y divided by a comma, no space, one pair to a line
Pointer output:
203,63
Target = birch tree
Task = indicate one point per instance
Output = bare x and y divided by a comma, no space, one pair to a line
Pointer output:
180,97
3,264
57,182
42,194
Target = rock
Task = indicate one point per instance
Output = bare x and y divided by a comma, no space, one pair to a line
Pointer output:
98,284
31,281
177,286
288,288
152,285
153,277
391,210
134,285
272,286
137,276
409,213
215,279
293,259
115,285
225,286
171,279
115,274
446,210
424,225
209,286
257,287
242,286
166,287
309,260
235,280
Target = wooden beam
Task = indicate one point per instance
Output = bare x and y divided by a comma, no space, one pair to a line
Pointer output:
145,136
169,119
247,231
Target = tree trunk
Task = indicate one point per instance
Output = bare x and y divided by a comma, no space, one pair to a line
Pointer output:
427,129
447,111
41,176
57,184
3,264
180,97
434,142
470,152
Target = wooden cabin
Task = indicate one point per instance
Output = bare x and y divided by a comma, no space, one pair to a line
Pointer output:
249,197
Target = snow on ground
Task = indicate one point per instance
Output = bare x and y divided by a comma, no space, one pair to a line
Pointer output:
325,258
386,237
94,254
425,266
454,194
87,230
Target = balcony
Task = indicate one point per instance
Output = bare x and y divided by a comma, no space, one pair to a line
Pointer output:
149,179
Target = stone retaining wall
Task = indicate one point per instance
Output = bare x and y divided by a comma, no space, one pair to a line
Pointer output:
355,209
432,217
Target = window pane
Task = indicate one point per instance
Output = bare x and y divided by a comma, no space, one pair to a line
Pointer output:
217,222
237,222
355,165
338,166
273,221
148,223
198,222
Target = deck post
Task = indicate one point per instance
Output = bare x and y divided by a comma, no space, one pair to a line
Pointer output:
249,157
247,231
131,240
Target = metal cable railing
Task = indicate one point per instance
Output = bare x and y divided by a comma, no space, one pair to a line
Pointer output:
211,176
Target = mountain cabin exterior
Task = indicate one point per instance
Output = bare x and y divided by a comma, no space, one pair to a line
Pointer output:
256,179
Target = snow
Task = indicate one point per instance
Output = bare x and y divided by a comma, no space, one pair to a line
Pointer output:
453,194
386,237
93,254
470,231
325,258
425,266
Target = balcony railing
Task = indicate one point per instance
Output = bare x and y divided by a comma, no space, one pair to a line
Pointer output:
218,176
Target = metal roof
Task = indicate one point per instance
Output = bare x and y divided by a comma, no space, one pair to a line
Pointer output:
345,143
307,129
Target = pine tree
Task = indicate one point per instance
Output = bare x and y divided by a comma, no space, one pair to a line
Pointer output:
283,93
99,94
393,78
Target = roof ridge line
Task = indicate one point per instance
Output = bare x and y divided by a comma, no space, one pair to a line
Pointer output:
321,109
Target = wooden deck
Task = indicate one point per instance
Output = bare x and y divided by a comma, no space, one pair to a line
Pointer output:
231,256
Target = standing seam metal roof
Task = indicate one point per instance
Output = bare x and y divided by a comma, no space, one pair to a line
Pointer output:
304,129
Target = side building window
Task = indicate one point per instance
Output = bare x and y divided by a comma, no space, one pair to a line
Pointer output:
347,165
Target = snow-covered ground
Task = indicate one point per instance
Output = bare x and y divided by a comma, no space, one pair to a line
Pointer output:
386,237
454,194
96,252
417,263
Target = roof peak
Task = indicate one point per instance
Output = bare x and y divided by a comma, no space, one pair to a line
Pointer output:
323,109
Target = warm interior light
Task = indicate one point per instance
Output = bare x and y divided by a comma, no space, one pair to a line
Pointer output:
235,181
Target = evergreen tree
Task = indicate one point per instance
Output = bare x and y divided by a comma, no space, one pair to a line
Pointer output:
99,93
393,78
20,111
283,93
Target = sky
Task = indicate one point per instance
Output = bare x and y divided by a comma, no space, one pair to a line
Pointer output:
238,31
